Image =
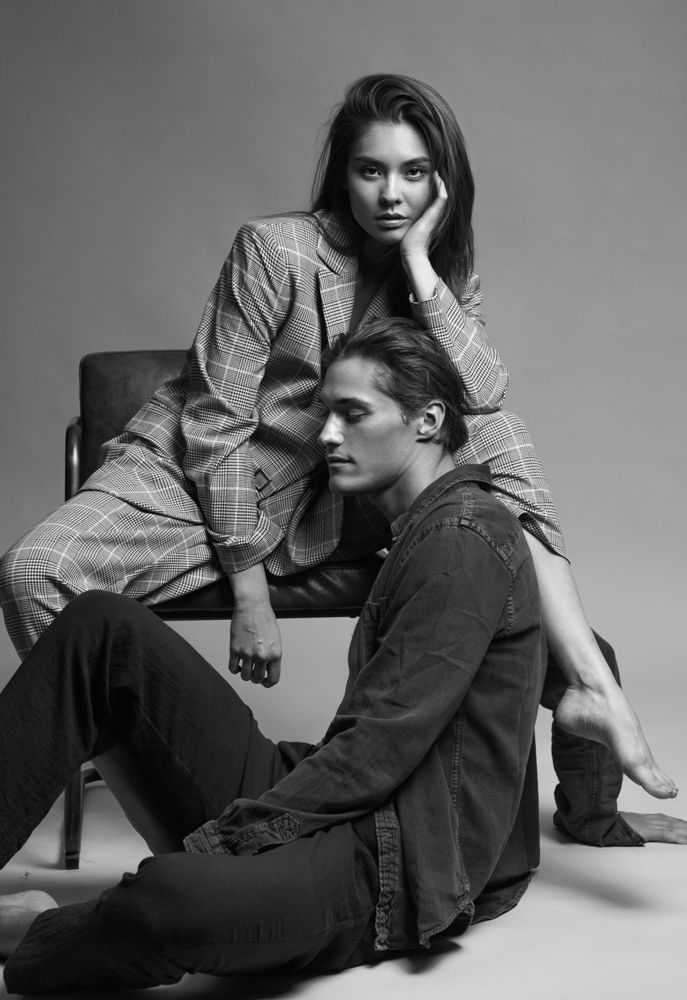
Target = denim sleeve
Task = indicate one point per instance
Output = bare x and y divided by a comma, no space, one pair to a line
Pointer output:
414,657
589,777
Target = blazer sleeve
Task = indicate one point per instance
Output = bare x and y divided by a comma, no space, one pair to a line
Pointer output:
459,328
226,366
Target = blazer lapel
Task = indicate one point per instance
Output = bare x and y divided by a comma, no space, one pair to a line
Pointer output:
337,270
390,299
380,304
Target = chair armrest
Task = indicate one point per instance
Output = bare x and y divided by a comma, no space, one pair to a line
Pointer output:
72,458
331,590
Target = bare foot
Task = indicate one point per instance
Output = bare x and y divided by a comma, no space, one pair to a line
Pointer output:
17,913
658,827
607,717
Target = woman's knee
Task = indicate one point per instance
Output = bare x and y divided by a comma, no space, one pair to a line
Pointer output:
40,562
13,575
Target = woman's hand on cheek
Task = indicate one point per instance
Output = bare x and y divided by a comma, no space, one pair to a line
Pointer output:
417,240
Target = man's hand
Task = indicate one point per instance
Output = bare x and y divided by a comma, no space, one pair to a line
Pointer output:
657,827
255,642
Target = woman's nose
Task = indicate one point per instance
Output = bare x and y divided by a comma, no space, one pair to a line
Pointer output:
390,192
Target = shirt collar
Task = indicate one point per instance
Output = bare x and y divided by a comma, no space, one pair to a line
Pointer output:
463,474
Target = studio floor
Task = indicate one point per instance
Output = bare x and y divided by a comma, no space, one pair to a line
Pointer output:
594,925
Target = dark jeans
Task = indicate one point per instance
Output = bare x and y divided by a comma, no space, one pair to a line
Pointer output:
126,678
109,672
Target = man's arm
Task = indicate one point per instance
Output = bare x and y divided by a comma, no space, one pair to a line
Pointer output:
432,633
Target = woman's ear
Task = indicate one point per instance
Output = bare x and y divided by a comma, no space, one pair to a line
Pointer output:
431,420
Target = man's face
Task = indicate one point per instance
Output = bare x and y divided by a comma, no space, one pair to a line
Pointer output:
369,445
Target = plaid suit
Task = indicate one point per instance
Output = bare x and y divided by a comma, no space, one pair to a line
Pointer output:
232,441
227,451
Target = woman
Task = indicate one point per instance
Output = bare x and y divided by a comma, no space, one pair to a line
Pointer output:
220,472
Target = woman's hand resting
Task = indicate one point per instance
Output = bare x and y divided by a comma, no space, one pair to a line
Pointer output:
255,642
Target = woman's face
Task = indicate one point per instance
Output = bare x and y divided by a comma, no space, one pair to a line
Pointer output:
389,179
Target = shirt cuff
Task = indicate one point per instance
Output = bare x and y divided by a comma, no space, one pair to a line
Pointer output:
216,836
619,834
429,313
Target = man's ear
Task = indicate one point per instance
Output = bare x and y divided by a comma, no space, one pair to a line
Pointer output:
431,420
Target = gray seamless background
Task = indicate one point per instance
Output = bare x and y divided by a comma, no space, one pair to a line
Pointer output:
139,134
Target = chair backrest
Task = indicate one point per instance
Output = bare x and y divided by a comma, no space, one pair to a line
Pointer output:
112,387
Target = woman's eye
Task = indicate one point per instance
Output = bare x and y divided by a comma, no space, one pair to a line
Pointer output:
369,171
415,173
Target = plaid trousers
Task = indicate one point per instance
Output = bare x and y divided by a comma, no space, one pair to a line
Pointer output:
98,542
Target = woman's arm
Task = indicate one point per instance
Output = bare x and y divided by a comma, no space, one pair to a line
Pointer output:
226,366
458,327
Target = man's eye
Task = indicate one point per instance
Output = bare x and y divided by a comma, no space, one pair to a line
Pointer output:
353,416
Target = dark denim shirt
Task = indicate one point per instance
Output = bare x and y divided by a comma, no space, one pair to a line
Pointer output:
435,730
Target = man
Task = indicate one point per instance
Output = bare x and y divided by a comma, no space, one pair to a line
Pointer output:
416,814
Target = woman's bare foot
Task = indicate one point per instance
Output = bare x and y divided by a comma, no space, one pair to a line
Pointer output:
606,716
17,913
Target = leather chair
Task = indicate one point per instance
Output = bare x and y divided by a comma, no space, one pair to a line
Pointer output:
112,386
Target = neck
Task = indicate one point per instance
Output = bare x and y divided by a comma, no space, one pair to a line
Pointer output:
399,497
376,256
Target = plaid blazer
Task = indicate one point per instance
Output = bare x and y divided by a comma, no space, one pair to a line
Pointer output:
232,441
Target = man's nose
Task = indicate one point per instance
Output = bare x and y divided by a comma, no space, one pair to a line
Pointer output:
330,433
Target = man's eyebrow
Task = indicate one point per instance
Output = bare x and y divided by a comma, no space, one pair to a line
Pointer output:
345,401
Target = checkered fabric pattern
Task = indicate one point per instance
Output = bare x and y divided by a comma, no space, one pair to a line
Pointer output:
221,467
97,542
233,440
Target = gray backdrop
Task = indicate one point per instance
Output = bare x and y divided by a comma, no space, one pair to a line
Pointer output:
138,134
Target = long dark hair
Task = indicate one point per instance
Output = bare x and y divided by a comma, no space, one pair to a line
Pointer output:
414,369
392,98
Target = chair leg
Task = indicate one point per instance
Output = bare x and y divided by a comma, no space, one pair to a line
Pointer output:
73,819
73,814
